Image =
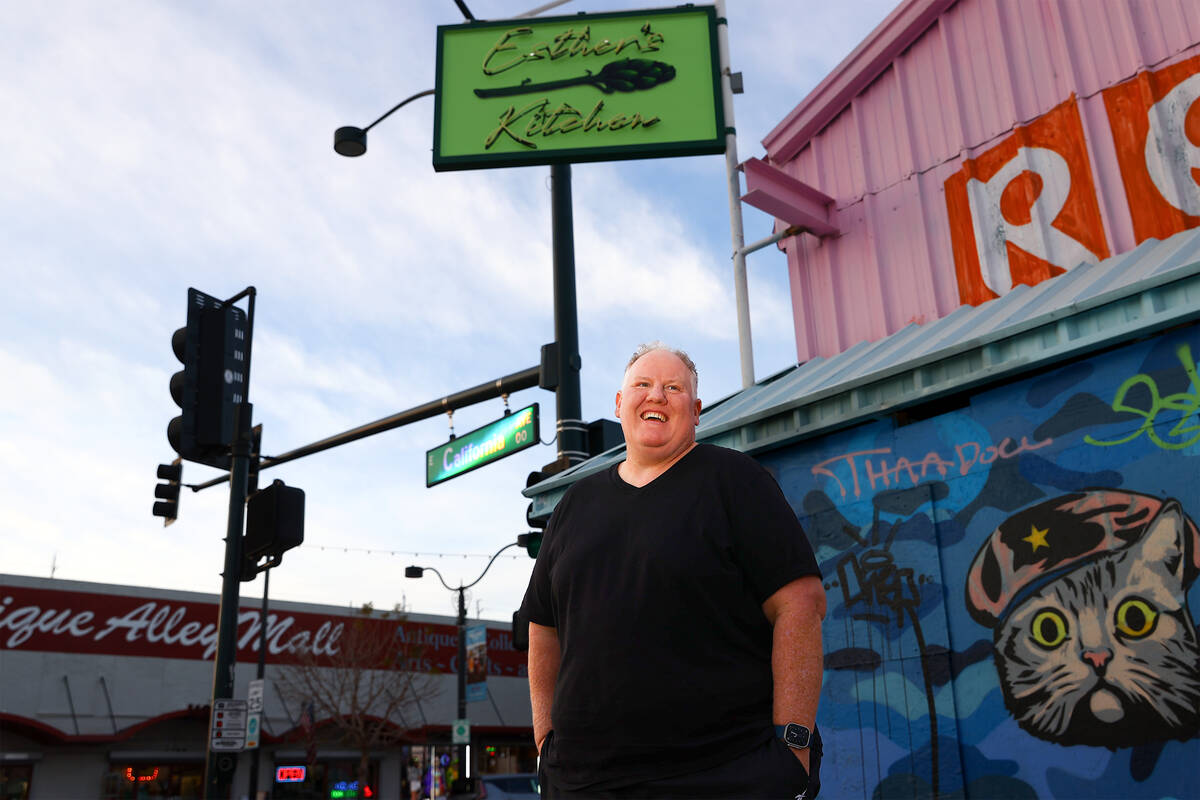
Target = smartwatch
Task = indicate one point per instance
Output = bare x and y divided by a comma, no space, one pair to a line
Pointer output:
794,735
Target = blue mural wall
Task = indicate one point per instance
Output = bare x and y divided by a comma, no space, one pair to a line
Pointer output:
1012,586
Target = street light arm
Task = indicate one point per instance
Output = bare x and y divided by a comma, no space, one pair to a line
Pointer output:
440,578
397,107
489,565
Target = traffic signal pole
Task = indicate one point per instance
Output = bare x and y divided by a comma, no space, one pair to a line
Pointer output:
220,765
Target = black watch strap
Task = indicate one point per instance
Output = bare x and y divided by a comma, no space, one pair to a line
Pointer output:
794,735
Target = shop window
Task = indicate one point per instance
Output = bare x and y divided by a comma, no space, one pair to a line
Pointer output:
143,781
15,780
325,780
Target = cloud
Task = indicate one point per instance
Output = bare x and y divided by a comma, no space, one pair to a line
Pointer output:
164,146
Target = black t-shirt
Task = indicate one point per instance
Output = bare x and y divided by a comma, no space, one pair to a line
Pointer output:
656,594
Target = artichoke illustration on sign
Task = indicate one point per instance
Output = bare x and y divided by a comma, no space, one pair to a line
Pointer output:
628,75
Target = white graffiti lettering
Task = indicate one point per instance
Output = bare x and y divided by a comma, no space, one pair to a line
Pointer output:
1170,155
1037,236
879,472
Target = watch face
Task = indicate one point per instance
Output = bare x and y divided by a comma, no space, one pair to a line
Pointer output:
796,735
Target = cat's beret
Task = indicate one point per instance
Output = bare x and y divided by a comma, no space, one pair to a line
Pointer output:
1042,542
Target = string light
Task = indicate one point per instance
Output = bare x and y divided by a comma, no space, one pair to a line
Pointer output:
422,554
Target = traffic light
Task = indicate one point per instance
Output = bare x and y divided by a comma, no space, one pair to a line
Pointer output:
255,459
274,525
212,383
167,505
532,542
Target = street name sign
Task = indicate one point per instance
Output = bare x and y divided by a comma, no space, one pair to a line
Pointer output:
510,434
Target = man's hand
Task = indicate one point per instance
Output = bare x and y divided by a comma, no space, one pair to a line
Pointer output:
795,612
802,755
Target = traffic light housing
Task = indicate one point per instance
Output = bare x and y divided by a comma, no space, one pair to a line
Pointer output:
212,347
532,542
167,505
274,525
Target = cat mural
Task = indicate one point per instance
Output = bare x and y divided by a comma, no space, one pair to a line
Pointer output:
1086,597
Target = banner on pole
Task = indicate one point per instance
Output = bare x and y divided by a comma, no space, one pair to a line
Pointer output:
477,663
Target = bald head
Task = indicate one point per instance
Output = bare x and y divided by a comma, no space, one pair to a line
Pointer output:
655,346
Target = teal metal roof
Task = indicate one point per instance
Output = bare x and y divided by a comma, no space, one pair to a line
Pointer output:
1150,288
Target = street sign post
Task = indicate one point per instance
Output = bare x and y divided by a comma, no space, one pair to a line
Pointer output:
461,731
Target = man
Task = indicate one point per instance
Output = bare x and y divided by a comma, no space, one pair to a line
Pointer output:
675,616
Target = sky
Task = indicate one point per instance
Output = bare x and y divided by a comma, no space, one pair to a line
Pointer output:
156,146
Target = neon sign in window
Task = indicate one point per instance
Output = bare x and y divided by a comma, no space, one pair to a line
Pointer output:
129,776
290,774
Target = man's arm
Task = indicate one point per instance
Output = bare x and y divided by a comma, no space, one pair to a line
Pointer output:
544,655
797,658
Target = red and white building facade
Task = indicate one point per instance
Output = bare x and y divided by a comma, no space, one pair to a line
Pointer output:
106,693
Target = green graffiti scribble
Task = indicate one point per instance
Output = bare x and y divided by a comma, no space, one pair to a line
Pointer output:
1186,402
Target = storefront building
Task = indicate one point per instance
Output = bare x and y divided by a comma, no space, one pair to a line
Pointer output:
992,434
106,694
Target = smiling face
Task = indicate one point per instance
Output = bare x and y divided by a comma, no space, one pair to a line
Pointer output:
658,408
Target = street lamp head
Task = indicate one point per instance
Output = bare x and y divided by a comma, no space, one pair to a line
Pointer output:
414,572
350,141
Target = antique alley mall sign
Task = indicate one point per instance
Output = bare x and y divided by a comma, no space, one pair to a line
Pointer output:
507,435
592,87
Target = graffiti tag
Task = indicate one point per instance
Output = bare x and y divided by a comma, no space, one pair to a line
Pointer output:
879,471
876,580
1186,402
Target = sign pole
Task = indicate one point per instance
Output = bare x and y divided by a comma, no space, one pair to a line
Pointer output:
463,769
220,766
572,431
252,792
741,290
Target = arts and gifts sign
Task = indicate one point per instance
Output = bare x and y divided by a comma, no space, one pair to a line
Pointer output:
50,620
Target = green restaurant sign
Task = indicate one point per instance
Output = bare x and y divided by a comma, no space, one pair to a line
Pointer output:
507,435
589,87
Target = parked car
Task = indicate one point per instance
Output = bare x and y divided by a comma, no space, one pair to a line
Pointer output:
523,786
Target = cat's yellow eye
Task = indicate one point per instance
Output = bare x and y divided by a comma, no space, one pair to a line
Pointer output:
1049,629
1136,618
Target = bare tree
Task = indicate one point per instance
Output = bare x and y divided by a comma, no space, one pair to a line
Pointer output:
366,692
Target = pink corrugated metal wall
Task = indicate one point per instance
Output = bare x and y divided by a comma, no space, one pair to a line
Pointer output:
937,117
